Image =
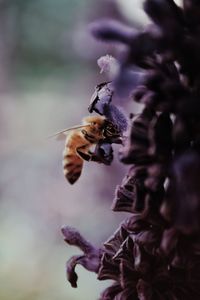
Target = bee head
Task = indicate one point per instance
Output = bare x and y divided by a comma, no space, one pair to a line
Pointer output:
96,125
104,127
96,121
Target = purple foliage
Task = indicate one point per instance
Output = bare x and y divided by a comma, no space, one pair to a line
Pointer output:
155,253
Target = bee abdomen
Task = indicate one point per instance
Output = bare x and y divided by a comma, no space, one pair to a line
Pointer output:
72,167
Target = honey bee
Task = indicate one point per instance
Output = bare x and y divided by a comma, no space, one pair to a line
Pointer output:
80,140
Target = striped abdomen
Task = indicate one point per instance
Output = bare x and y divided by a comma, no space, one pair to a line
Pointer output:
72,162
72,165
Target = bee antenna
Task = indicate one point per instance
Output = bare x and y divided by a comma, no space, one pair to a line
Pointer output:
68,129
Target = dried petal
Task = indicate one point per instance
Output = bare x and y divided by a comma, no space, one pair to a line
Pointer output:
136,146
109,65
111,292
90,260
101,97
111,30
108,269
144,290
183,195
103,153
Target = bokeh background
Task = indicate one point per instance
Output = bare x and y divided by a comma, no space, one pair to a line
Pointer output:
48,72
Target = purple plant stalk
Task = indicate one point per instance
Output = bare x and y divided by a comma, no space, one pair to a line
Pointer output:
155,253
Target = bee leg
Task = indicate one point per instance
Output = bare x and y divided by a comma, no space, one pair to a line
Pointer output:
94,157
84,153
117,140
90,138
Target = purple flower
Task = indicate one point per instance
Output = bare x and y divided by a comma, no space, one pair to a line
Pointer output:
155,253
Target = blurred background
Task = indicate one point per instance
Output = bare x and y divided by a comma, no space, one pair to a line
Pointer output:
48,72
